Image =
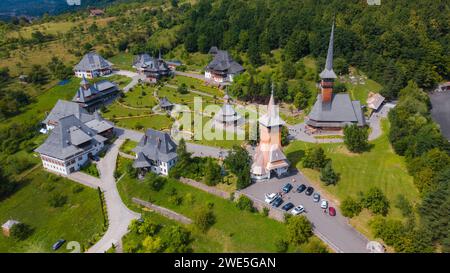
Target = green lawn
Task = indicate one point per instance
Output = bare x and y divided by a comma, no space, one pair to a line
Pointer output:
196,84
379,167
91,169
120,80
185,99
140,97
128,146
123,61
157,122
234,230
116,110
80,219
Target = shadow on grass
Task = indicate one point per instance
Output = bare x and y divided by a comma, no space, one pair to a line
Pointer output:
295,157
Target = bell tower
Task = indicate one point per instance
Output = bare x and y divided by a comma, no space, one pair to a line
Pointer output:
327,75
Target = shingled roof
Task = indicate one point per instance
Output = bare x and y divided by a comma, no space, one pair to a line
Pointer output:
156,145
65,108
145,61
341,109
223,62
66,138
92,61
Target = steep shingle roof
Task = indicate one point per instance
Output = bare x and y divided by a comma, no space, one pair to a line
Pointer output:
341,109
93,61
66,108
64,140
223,62
156,145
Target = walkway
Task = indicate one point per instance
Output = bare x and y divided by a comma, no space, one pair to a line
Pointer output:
135,77
163,211
119,215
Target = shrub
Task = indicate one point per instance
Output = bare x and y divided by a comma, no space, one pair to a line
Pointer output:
328,175
77,189
356,139
350,207
403,205
265,211
245,203
375,201
57,200
281,246
203,218
299,230
21,231
156,182
315,158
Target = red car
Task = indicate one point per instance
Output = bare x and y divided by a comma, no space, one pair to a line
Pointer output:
331,211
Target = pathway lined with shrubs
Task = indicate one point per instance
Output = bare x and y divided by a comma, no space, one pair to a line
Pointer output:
119,215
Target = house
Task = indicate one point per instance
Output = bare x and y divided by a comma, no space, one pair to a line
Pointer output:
222,68
153,69
93,96
64,109
93,65
226,117
333,111
165,104
155,152
374,101
69,146
269,159
96,12
7,226
173,64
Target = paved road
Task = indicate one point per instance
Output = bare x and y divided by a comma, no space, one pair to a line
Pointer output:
441,111
195,149
135,77
335,231
119,215
191,75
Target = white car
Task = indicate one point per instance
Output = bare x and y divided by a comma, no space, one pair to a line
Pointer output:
268,198
324,204
297,210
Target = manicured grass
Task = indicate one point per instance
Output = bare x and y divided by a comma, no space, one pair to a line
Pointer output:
196,84
186,99
123,61
234,230
120,80
80,219
157,122
140,97
116,110
128,146
380,167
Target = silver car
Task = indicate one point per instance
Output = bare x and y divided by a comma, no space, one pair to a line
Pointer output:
316,197
297,210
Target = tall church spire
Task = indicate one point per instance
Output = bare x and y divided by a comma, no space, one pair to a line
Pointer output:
328,72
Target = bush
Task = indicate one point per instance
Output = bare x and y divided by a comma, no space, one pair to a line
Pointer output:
328,175
315,158
156,182
265,211
245,203
315,246
57,200
403,205
375,201
299,230
281,246
21,231
350,207
356,139
77,189
203,218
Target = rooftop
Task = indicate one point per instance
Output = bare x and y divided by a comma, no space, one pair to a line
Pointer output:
92,61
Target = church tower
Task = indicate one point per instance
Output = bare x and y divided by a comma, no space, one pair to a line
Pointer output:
327,75
269,158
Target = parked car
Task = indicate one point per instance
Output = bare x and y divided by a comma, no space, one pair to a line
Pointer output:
287,206
324,204
287,188
316,197
96,158
58,244
269,198
297,210
301,188
331,211
309,191
277,202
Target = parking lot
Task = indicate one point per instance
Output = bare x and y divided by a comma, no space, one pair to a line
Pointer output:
334,230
